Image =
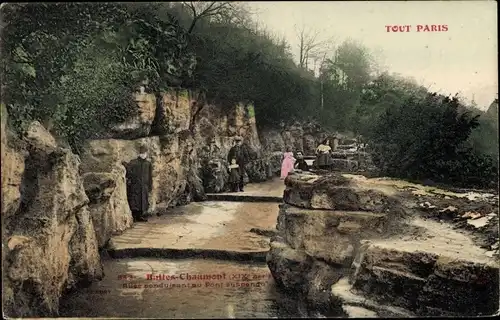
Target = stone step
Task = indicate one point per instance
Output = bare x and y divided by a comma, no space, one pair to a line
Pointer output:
173,253
356,305
437,274
243,197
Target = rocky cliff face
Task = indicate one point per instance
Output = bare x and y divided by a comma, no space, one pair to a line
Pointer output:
49,243
59,209
188,142
349,247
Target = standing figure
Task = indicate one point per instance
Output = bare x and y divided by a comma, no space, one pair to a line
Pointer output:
301,164
288,163
323,155
242,156
139,183
234,176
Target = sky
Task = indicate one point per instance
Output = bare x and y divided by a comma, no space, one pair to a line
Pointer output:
461,60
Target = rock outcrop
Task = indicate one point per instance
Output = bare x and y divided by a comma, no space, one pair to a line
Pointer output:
347,248
303,137
49,243
108,203
141,124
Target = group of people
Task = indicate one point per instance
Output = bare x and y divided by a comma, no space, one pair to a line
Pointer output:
139,174
291,162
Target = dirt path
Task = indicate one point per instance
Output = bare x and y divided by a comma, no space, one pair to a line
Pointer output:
206,225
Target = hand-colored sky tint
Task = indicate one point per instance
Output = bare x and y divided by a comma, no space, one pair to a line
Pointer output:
463,60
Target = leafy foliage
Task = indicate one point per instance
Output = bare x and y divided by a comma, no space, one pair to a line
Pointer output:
426,139
73,66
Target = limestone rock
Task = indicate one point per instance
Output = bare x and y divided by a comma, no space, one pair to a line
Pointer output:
52,243
272,141
13,156
214,175
319,280
349,297
108,206
85,264
140,125
275,160
426,283
331,236
288,266
359,312
174,113
169,156
258,170
336,192
310,143
293,138
38,137
215,129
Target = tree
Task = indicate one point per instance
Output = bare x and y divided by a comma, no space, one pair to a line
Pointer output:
310,47
353,59
426,139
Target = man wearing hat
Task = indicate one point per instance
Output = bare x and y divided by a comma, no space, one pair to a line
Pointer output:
240,153
139,184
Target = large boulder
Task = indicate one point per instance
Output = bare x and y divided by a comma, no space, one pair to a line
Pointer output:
336,192
108,205
50,243
331,236
288,266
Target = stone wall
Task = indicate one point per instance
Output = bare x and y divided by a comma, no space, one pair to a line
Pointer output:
345,247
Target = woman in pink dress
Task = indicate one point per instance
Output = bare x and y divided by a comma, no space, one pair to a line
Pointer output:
288,163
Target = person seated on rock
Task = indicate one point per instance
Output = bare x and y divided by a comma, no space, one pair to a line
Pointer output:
301,164
323,155
234,176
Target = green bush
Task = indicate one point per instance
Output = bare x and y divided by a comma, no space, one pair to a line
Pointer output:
427,139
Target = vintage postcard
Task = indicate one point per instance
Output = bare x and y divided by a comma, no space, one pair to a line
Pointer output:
249,159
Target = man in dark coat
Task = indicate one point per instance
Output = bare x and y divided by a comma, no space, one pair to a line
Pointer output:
242,156
139,184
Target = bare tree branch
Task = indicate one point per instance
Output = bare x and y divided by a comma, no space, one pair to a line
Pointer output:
309,46
200,10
